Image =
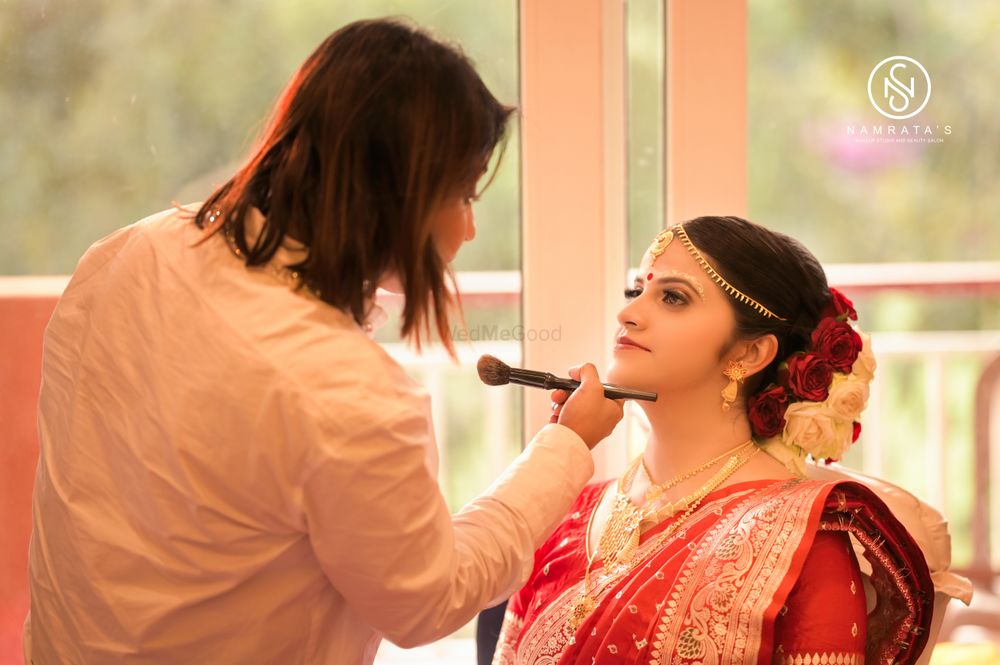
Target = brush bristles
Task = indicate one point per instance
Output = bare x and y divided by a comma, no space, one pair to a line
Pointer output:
493,371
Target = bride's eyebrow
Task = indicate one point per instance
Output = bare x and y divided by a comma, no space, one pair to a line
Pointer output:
676,276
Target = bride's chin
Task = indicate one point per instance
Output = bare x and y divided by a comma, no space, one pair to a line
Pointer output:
618,375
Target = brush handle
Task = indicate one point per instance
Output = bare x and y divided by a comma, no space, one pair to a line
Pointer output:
547,381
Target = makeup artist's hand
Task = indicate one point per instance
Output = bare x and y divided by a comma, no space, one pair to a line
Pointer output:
586,410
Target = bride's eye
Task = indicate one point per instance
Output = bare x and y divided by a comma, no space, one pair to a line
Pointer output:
674,297
632,293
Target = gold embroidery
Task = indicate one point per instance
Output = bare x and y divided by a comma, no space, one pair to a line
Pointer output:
691,644
506,653
840,658
715,610
549,634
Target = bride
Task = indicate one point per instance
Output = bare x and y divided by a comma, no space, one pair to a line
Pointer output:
712,547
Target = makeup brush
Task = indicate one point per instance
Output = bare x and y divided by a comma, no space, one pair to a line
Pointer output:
495,372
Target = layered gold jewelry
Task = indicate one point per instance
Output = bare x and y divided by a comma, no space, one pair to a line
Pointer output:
736,373
620,538
657,489
666,236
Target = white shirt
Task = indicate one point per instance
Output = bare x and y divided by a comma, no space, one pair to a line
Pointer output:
233,472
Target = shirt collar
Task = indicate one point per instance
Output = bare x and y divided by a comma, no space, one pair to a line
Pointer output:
292,252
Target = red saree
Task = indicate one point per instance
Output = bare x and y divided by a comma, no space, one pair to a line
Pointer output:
762,572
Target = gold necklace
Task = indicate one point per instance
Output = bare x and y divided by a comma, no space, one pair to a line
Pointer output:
656,489
620,537
586,603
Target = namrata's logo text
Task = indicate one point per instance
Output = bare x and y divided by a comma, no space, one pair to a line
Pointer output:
899,87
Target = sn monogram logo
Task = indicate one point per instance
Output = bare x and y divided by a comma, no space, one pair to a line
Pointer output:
899,87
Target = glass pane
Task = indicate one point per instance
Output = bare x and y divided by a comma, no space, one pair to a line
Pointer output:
873,137
644,40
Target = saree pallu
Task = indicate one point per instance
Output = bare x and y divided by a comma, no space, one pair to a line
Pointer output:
715,592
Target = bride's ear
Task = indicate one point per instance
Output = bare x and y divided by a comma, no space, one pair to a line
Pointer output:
758,353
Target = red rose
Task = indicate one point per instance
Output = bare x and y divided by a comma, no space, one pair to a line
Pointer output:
857,432
837,342
766,411
809,376
839,306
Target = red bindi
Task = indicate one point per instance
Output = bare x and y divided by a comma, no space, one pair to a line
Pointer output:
649,277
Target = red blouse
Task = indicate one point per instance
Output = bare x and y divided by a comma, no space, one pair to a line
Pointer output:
825,613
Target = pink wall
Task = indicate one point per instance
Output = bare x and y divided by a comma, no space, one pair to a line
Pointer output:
22,322
706,115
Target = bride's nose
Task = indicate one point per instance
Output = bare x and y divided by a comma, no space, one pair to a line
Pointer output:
630,315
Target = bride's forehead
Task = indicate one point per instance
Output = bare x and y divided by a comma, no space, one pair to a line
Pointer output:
673,257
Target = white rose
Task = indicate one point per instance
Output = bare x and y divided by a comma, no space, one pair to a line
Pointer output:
815,428
864,366
848,396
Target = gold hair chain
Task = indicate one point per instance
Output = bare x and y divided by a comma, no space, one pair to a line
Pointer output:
666,236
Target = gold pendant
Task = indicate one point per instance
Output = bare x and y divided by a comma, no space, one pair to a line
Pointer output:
581,610
620,539
631,544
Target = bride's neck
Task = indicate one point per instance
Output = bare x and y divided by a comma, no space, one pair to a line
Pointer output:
688,429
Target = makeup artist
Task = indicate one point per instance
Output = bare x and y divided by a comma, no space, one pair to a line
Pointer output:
231,469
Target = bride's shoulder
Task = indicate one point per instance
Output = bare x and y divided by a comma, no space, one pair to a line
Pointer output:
796,490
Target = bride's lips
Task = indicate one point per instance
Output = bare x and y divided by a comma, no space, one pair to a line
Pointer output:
625,343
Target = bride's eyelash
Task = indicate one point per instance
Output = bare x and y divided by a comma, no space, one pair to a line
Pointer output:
675,294
636,292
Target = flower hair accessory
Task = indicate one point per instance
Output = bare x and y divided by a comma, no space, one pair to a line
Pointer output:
814,405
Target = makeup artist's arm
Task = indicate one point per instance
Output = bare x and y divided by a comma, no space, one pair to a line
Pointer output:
384,536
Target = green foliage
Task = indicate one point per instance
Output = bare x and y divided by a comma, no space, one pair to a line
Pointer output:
808,68
115,109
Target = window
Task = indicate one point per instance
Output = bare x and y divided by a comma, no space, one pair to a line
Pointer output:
899,210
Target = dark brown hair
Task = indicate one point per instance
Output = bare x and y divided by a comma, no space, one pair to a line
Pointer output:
772,268
379,126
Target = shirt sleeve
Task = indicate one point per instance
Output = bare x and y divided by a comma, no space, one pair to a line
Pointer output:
383,534
824,619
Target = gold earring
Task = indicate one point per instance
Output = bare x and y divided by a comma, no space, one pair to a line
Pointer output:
736,372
